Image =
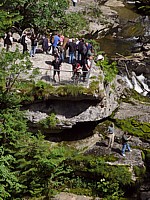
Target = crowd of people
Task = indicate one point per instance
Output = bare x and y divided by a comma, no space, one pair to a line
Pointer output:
76,52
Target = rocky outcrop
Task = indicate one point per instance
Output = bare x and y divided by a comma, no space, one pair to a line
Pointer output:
73,110
101,16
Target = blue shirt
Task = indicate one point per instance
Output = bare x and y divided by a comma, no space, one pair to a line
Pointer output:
56,40
110,130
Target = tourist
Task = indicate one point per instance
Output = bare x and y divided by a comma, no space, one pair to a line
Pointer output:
111,135
74,2
61,52
87,67
76,68
24,40
72,50
89,49
79,49
61,39
34,41
7,41
56,40
65,44
56,63
77,42
45,44
84,59
125,144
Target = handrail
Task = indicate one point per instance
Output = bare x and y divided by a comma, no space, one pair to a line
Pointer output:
66,77
59,70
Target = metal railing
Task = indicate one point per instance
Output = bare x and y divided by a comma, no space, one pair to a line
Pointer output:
66,76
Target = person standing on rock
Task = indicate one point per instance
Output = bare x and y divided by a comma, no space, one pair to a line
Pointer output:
7,41
24,40
74,2
111,135
56,63
55,42
33,44
45,44
125,144
72,50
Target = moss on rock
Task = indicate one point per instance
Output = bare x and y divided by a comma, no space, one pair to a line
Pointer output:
134,127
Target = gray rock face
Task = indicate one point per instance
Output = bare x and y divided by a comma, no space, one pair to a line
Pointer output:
127,110
78,110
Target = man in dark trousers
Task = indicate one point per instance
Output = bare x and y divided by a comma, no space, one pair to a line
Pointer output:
24,42
56,63
72,50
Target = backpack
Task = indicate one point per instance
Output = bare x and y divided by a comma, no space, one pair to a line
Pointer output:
22,40
84,49
80,46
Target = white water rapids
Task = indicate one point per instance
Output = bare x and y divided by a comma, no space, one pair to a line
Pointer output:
137,83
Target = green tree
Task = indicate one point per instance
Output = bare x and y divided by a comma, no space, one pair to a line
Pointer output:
7,20
8,181
72,23
37,14
109,68
13,66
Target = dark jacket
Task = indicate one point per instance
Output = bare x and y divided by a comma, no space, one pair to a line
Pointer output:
7,40
124,139
80,46
45,44
56,63
33,41
72,47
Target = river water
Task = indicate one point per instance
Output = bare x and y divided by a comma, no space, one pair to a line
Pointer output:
132,25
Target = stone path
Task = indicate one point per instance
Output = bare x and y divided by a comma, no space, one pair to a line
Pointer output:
43,62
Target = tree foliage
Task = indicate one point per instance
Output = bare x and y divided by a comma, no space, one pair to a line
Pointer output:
72,24
13,66
8,181
7,20
41,14
110,69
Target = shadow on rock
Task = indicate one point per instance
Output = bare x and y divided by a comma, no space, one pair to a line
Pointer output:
47,78
116,150
101,144
48,62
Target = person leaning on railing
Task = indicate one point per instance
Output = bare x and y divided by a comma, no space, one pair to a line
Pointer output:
87,68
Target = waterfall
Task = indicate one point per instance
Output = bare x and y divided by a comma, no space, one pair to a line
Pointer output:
142,80
137,83
128,82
